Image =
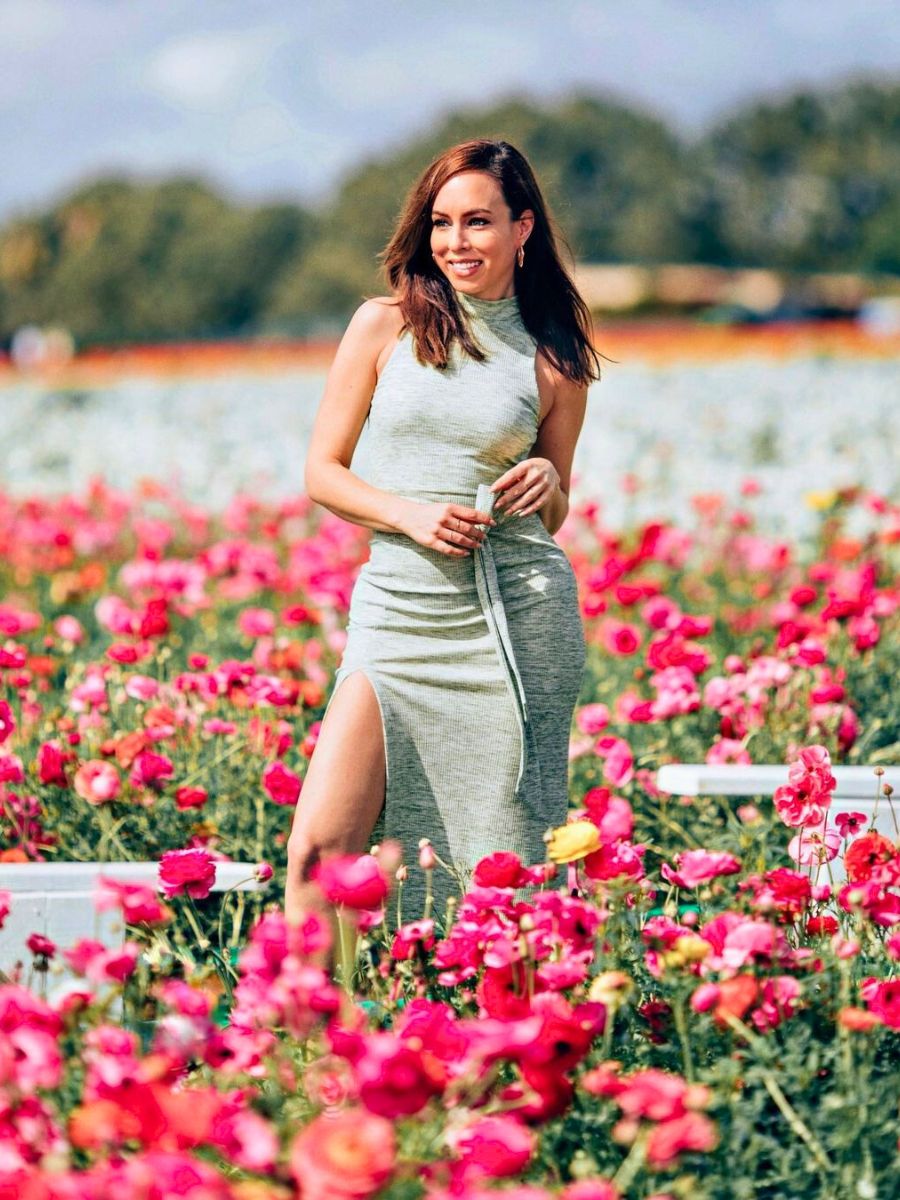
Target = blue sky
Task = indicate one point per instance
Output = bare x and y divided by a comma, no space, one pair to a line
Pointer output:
280,98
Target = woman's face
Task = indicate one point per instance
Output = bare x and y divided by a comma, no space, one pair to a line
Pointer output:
474,239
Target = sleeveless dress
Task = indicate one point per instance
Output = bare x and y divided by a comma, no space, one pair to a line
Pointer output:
476,661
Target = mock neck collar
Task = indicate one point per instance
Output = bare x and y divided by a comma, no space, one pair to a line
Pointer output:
489,310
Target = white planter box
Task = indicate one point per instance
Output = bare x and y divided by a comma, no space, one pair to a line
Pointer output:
57,900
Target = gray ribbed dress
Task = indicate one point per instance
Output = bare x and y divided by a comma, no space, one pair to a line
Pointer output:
476,661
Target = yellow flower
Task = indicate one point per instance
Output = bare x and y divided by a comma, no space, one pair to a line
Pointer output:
820,501
611,988
568,843
693,948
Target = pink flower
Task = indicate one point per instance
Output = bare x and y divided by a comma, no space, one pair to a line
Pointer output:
281,784
883,999
728,750
592,718
495,1147
779,1002
139,903
611,814
814,846
618,769
257,622
187,872
97,781
849,824
695,867
141,687
394,1078
593,1189
796,806
151,770
69,629
5,906
354,881
11,769
7,721
693,1131
620,638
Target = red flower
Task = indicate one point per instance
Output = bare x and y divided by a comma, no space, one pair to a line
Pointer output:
281,784
867,853
190,872
190,797
502,869
395,1079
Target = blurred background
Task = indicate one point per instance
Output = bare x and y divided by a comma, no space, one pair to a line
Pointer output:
193,198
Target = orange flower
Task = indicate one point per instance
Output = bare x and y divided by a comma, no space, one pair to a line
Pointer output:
348,1155
859,1020
735,996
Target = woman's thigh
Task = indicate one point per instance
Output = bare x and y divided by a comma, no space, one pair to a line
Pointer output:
344,788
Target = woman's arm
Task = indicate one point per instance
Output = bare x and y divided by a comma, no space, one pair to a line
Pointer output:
541,482
340,418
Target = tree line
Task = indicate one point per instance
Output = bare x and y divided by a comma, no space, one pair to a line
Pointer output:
805,181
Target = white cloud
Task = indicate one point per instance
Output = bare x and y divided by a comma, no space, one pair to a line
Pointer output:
209,72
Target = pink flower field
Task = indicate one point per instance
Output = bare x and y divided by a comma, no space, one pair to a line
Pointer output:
689,998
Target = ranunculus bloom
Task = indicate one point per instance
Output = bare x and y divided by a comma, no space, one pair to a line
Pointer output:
139,903
611,814
7,721
348,1155
395,1078
592,718
501,869
569,843
693,1131
190,797
814,846
883,999
355,881
281,784
850,823
496,1147
867,854
190,872
151,770
97,781
694,867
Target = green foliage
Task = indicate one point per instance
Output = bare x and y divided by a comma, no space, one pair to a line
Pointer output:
808,181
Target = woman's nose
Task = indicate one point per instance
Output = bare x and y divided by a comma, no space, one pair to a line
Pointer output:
458,237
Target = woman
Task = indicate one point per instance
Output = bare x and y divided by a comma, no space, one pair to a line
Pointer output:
452,706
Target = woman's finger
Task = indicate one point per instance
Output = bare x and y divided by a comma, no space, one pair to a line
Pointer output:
529,497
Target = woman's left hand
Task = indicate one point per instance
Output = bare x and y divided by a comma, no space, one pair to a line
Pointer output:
526,487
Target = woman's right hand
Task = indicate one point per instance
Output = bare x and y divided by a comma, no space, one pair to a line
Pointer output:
448,528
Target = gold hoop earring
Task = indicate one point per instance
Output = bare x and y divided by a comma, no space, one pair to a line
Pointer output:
521,256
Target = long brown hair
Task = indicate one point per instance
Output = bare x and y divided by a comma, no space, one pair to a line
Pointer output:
552,310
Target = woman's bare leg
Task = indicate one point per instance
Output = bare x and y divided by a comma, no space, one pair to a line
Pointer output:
343,791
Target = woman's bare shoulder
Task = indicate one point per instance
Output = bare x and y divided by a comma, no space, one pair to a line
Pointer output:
378,315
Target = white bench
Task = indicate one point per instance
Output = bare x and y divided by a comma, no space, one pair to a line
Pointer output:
57,900
855,791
